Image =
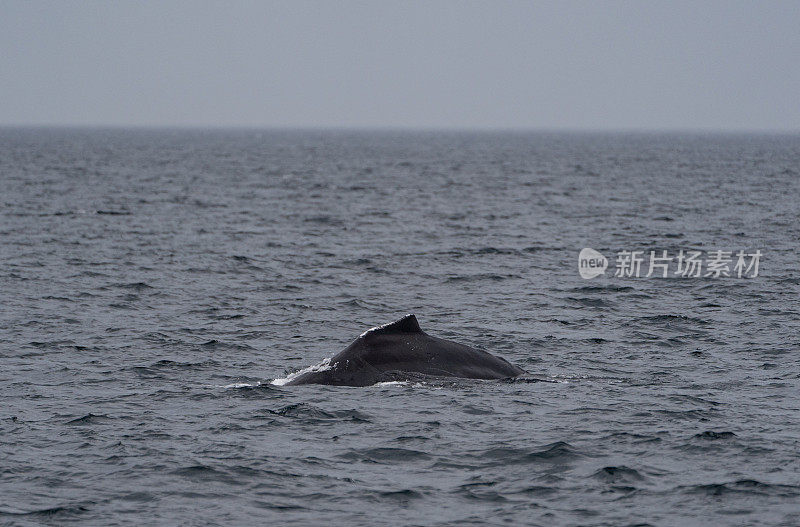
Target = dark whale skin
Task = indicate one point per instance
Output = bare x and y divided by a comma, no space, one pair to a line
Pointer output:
401,350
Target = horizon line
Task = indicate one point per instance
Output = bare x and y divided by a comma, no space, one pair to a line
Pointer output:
402,128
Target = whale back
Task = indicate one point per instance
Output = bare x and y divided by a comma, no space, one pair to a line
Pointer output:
401,350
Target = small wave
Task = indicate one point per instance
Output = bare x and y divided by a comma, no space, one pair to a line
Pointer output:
138,497
90,274
590,302
384,455
558,452
481,276
114,212
256,389
695,414
595,340
744,486
406,439
682,398
478,484
476,410
495,250
89,419
539,248
538,490
632,438
166,364
322,366
358,261
271,505
620,474
51,344
136,286
712,436
324,220
530,379
217,344
481,494
400,495
241,385
206,473
668,320
601,289
308,411
49,512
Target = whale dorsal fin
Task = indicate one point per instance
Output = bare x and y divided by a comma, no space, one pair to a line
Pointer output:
407,324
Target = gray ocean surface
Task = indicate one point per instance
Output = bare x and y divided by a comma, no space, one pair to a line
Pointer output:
154,282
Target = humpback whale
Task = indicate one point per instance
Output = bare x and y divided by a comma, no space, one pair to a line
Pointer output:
402,351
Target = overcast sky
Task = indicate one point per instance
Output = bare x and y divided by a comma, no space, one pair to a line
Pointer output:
493,64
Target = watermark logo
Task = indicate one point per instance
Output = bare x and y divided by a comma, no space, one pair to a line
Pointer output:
591,263
683,264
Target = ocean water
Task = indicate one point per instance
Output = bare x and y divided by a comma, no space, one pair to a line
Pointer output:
154,283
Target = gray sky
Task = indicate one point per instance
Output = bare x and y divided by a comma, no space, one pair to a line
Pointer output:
596,65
